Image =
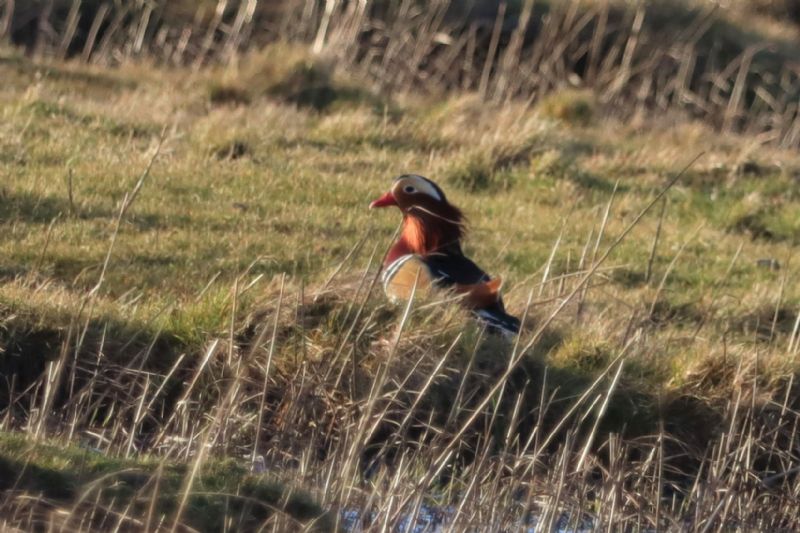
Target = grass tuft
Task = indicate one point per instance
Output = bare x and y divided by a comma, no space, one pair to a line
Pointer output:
226,94
291,76
234,149
496,166
569,106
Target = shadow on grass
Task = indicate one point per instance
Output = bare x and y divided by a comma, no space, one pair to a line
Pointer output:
27,207
29,343
31,208
394,142
633,410
223,489
48,110
104,81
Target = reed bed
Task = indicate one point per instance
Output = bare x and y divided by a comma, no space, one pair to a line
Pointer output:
438,431
660,57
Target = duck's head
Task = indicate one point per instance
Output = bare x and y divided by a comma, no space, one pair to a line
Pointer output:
410,191
430,221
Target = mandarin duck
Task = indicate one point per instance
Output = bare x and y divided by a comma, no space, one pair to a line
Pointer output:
428,253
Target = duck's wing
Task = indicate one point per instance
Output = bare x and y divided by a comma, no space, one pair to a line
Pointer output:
460,271
413,272
452,269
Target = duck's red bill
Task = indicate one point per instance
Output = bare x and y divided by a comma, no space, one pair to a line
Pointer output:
384,201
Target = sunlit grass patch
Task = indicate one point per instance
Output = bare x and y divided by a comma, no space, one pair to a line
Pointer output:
290,75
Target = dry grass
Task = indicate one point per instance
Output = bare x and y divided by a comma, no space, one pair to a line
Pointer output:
187,281
732,64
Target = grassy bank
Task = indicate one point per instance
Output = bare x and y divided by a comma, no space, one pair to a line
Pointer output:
77,488
187,265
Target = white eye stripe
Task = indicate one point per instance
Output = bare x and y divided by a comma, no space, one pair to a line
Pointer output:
420,184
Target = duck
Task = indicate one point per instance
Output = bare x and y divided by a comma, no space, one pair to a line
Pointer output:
428,255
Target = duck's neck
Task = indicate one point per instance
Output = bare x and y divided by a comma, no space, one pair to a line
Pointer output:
425,235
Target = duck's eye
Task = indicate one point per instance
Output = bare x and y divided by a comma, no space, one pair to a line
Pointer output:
409,189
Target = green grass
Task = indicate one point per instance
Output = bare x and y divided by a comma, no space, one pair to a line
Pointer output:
272,188
253,182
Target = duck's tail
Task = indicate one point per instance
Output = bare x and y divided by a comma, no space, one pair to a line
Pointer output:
480,295
497,319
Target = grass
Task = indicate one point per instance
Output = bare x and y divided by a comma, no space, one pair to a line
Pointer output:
224,195
230,314
225,495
